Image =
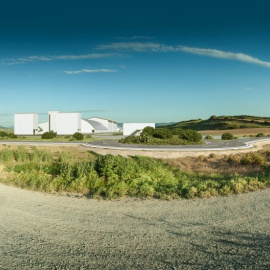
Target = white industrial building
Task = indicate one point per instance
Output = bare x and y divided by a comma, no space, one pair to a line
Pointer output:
62,124
25,123
130,128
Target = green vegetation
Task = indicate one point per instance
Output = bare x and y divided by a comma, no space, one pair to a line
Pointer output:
223,123
115,176
208,137
164,136
37,138
77,136
227,136
48,135
260,135
7,135
190,135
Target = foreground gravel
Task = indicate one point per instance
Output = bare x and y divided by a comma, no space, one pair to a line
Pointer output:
41,231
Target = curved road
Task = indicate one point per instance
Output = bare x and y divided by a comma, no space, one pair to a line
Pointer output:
210,145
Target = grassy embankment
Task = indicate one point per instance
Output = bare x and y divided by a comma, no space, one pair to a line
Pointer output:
110,176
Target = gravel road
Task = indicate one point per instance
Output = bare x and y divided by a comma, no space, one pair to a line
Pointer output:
43,231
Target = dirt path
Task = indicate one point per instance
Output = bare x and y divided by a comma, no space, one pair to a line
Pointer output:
41,231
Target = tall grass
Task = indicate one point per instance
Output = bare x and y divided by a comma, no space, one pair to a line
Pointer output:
116,176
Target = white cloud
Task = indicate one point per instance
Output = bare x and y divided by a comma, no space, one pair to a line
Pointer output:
225,55
134,37
137,47
23,60
72,72
156,47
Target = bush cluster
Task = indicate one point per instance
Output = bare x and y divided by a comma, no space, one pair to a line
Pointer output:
164,136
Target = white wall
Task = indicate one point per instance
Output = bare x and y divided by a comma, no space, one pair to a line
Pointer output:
25,123
129,128
68,123
104,122
53,120
44,127
86,127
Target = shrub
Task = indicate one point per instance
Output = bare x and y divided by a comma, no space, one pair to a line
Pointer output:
3,134
12,136
190,135
48,135
88,136
77,136
227,136
260,135
208,137
253,159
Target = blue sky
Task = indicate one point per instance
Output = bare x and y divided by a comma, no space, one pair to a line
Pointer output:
135,61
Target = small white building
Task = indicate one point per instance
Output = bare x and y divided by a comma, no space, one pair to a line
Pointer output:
25,123
64,123
129,128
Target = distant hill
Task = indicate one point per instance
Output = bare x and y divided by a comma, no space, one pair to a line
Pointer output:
157,124
6,129
223,122
164,124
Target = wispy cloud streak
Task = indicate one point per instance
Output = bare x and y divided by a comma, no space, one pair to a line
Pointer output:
137,47
72,72
225,55
29,59
156,47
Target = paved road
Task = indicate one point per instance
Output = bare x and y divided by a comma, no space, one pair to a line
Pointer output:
114,144
210,145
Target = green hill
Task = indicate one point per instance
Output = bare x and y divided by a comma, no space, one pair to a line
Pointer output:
224,122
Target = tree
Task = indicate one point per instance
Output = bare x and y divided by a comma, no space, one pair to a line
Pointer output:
148,131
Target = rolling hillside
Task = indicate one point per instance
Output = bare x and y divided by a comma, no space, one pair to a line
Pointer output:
223,123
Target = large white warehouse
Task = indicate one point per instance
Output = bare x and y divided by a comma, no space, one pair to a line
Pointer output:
62,124
129,128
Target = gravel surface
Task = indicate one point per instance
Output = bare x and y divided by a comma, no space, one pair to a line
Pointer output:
44,231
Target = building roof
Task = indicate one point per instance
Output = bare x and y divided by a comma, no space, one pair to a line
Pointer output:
96,125
111,120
